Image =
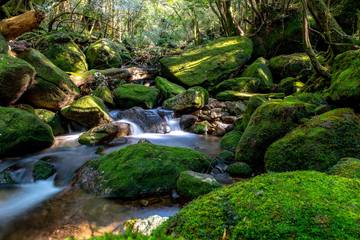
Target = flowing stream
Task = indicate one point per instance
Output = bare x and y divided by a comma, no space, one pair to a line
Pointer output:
52,209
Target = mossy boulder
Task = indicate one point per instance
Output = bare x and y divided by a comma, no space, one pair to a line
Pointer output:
290,85
106,54
52,119
99,135
239,169
192,99
230,140
64,53
191,184
243,84
16,75
43,170
294,205
141,170
346,167
53,88
270,121
318,144
167,88
136,95
22,132
293,65
88,111
260,69
208,64
345,82
105,94
231,95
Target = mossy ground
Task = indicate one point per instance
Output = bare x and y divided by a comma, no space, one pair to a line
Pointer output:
317,145
294,205
210,63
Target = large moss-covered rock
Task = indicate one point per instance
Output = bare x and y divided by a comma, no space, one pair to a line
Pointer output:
105,94
52,119
106,54
260,69
192,99
53,88
230,140
290,85
136,95
346,167
16,75
22,132
295,205
191,184
318,144
64,53
167,88
268,123
243,84
239,169
345,82
88,111
141,170
293,65
208,64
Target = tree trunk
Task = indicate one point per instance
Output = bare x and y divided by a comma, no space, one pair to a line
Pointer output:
13,27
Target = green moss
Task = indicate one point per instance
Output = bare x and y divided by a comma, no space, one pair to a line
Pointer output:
259,69
22,132
210,63
4,46
66,55
243,84
231,95
167,88
346,167
52,119
136,95
230,140
105,94
290,85
192,99
88,111
5,177
106,54
16,75
192,184
270,121
293,65
201,127
295,205
318,144
345,82
145,169
239,169
43,170
53,88
134,236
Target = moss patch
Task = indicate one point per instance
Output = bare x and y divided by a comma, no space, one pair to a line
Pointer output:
52,119
143,170
22,132
317,145
167,88
210,63
259,69
136,95
295,205
346,167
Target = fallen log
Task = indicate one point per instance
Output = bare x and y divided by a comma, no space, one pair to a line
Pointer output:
13,27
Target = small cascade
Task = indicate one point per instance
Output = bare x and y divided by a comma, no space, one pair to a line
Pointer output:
135,129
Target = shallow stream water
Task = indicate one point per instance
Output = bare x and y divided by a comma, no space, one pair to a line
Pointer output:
52,209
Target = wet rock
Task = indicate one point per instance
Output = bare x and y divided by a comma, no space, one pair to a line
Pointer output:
149,120
43,170
53,88
192,184
16,75
22,132
52,119
6,178
88,111
100,135
187,121
136,95
209,64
